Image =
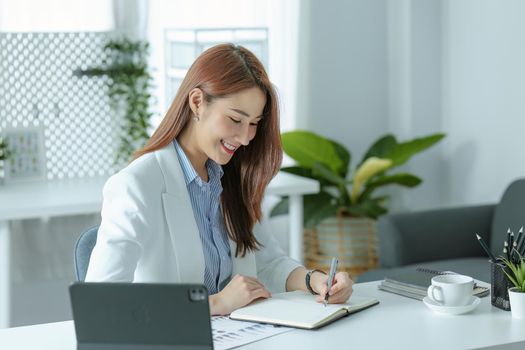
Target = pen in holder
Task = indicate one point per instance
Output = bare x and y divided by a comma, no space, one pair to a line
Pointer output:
499,285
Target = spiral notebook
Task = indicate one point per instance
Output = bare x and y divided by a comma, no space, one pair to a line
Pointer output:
414,283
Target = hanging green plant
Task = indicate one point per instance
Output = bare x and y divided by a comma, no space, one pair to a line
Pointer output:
129,87
5,154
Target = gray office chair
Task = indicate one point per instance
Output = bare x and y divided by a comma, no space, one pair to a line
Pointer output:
83,248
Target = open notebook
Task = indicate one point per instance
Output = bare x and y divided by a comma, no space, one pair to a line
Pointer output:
299,309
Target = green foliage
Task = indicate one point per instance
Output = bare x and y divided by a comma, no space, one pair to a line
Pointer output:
517,275
129,86
351,193
5,153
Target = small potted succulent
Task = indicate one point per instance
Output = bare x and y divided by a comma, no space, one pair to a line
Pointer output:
517,277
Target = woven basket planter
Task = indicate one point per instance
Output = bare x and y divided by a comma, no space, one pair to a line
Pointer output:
352,240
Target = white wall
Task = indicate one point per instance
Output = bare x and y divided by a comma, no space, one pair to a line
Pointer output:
484,97
414,96
342,75
372,67
415,67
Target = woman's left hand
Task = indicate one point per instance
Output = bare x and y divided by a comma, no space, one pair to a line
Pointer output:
340,291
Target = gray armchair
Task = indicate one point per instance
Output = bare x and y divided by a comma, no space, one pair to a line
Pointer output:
444,239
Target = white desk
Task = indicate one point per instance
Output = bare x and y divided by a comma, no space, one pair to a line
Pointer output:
84,196
396,323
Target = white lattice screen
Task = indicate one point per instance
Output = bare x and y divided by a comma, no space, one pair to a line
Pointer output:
37,88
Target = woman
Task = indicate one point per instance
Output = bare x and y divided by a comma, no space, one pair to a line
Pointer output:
185,209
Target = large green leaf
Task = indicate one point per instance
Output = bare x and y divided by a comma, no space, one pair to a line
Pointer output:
318,207
324,172
345,156
312,202
305,172
307,148
371,167
402,152
380,148
315,208
402,179
326,211
328,177
371,207
297,170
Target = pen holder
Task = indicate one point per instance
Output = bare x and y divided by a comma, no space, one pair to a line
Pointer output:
499,285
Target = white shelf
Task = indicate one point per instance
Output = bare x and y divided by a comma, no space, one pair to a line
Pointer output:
80,196
51,198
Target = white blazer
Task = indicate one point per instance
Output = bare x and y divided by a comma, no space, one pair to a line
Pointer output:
148,231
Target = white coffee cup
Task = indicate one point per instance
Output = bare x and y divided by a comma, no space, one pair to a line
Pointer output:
451,290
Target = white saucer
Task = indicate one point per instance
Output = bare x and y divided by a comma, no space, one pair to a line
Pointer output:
451,310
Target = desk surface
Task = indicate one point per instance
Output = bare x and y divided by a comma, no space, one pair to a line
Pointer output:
396,323
78,196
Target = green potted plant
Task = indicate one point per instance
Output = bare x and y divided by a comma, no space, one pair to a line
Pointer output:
516,276
345,209
129,86
5,154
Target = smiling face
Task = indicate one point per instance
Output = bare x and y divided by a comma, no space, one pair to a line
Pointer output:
223,126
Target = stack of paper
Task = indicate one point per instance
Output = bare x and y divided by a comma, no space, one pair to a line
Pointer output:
414,283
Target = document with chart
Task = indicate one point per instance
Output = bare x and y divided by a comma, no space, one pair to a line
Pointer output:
228,333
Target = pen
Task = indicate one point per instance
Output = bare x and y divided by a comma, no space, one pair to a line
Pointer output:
487,250
508,243
331,275
521,242
518,236
521,248
518,242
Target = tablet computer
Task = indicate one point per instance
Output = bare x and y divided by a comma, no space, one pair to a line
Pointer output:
141,316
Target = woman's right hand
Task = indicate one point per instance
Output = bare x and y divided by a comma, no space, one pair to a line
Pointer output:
240,291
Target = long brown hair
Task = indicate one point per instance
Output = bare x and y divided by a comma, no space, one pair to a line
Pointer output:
220,71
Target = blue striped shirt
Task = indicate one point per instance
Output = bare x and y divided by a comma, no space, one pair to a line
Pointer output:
205,201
